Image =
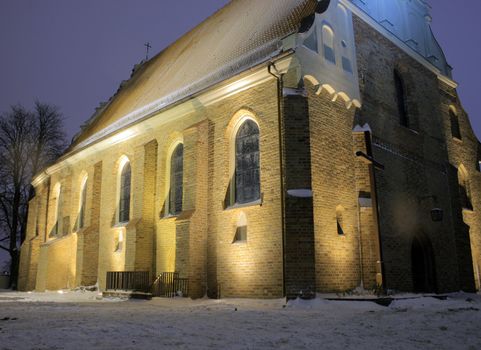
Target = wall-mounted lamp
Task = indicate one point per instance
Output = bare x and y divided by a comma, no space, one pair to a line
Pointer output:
437,214
369,160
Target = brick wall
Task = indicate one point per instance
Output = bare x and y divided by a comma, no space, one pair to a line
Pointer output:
333,184
416,160
298,211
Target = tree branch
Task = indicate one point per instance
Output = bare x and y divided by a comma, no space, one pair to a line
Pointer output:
6,249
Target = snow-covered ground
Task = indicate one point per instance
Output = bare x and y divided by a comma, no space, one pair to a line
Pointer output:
83,320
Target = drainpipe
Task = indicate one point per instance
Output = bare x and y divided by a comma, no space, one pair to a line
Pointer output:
373,165
361,268
378,222
279,77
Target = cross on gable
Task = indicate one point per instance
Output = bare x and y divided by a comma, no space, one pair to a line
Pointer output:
147,47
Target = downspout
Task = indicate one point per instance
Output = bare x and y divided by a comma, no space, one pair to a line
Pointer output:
279,77
361,268
372,170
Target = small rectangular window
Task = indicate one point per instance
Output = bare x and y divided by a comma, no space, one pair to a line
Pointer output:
37,216
329,54
119,242
241,234
346,64
311,42
340,231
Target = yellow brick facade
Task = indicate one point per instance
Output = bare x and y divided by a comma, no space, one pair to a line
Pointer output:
153,241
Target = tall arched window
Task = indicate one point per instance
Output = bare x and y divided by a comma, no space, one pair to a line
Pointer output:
401,99
176,179
343,19
455,130
328,43
247,172
124,192
464,189
82,203
58,210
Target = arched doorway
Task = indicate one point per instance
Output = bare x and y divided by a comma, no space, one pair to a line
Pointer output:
422,264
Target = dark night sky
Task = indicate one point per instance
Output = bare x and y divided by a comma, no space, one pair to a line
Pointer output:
74,54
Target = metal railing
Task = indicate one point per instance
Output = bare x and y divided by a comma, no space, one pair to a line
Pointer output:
168,284
128,280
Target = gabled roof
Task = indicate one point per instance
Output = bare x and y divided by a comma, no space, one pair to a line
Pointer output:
235,38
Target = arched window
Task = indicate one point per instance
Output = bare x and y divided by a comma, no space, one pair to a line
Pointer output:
328,43
401,99
124,192
343,34
176,180
464,189
58,210
82,204
247,173
455,130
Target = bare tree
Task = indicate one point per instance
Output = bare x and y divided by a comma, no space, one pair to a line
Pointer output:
49,134
28,142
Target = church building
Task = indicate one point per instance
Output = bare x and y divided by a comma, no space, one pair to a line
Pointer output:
281,148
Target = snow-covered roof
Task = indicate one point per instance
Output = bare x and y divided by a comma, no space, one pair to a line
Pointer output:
235,38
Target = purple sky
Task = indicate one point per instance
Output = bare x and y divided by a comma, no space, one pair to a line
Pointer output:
74,54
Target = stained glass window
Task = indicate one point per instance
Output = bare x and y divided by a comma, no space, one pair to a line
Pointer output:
176,179
247,174
124,200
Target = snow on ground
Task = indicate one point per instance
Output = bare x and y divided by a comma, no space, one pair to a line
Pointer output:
53,296
82,320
